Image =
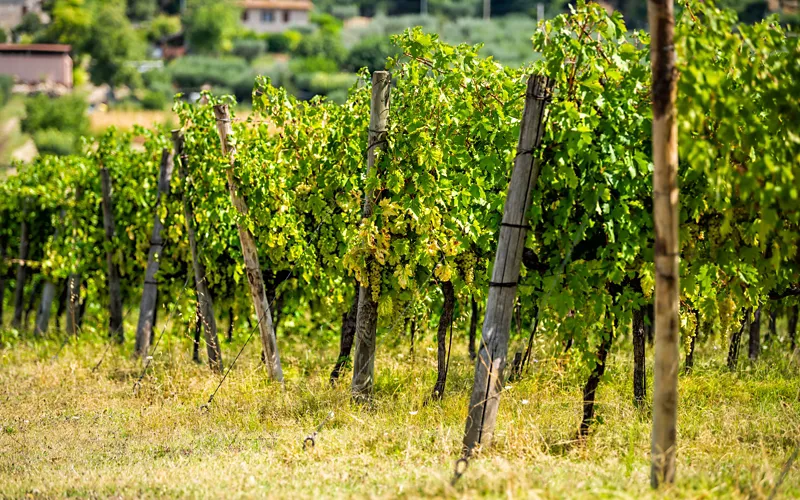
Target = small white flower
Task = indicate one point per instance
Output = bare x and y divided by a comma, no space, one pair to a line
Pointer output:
525,401
508,387
413,412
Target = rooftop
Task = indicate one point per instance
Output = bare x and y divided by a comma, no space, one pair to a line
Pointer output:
35,47
277,4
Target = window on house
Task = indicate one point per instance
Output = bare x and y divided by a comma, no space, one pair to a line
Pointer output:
267,16
245,15
286,16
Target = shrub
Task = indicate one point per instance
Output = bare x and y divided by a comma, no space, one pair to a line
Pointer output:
55,142
325,83
282,42
67,113
162,26
370,52
323,44
6,83
313,64
248,49
153,99
192,72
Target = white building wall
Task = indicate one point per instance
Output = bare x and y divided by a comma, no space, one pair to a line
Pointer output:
255,20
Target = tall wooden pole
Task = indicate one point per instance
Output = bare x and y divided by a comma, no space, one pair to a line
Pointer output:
665,217
249,251
147,306
367,315
22,271
114,286
204,300
493,350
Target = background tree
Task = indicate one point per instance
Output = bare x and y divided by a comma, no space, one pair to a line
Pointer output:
113,43
211,24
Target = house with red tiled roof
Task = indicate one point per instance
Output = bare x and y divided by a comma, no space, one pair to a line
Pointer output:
274,16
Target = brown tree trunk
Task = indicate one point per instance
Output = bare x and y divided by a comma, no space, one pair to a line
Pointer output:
255,280
367,315
230,325
412,331
527,358
590,389
37,289
665,217
3,246
793,327
197,327
754,346
473,329
733,351
22,271
147,306
488,381
205,303
346,338
114,287
688,365
73,303
639,361
442,350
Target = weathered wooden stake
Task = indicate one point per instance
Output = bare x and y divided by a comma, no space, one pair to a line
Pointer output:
147,306
639,369
346,338
49,292
249,251
205,302
473,329
754,345
22,272
3,246
367,317
445,323
665,217
114,287
499,310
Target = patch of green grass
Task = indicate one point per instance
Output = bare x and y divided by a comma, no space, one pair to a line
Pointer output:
70,432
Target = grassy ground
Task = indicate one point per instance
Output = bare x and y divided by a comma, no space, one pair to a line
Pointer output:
68,431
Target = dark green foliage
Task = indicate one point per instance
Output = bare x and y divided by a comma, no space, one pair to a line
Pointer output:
248,48
6,83
55,142
370,52
323,44
113,43
141,10
30,25
210,25
61,113
278,42
192,72
55,123
154,100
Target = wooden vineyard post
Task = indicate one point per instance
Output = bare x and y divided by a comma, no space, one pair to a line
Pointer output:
147,306
114,286
249,250
22,272
665,218
499,310
3,245
204,300
74,286
48,293
367,315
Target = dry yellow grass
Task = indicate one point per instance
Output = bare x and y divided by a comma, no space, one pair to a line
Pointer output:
67,431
